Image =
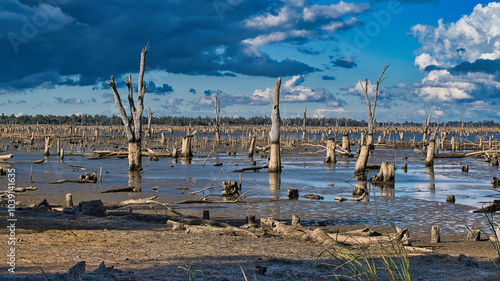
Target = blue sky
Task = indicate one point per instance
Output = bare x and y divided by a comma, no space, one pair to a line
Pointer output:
444,56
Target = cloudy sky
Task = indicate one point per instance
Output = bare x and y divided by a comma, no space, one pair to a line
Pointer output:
444,56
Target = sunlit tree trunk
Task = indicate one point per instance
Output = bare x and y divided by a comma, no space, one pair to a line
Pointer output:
132,123
274,134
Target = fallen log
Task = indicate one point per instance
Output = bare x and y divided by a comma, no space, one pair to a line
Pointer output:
212,227
360,198
495,206
74,181
5,157
149,200
125,189
255,169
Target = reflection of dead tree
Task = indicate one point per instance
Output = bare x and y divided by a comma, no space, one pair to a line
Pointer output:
274,134
132,123
371,110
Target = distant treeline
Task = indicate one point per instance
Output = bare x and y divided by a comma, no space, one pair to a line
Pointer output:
103,120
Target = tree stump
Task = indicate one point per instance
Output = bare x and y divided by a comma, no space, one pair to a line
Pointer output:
435,234
429,160
93,208
295,220
230,189
345,143
251,150
474,234
465,168
293,194
386,173
495,181
330,151
186,147
450,198
69,200
359,170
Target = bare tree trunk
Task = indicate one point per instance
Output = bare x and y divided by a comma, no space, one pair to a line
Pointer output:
134,156
386,173
346,145
429,160
359,170
369,140
274,134
330,151
252,146
304,125
186,147
46,151
132,123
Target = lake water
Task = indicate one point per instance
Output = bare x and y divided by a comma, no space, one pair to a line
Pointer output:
417,200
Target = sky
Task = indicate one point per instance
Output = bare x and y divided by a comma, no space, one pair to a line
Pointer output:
444,56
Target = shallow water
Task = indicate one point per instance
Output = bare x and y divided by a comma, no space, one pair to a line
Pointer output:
417,200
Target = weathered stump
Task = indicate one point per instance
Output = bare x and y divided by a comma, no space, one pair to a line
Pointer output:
465,168
229,189
386,173
186,147
429,160
293,194
474,234
92,208
359,170
450,198
495,181
435,234
330,151
252,146
69,200
345,143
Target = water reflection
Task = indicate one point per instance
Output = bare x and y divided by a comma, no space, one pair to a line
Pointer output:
432,188
274,182
135,181
386,189
430,173
360,188
174,160
186,160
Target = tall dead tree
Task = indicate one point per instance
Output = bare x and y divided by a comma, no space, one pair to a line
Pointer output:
217,108
150,116
426,124
304,125
132,123
371,109
274,134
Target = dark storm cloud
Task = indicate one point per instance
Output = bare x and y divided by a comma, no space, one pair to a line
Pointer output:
481,65
163,90
345,62
94,39
328,78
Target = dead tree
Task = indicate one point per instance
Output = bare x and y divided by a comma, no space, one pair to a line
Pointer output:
217,108
150,116
274,134
132,123
426,124
431,147
371,110
330,151
304,125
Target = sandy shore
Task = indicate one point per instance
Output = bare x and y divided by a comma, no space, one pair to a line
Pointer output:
55,242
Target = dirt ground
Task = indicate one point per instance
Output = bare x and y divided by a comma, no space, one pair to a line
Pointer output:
54,242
